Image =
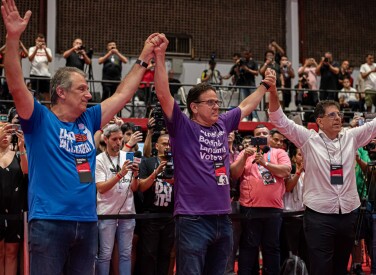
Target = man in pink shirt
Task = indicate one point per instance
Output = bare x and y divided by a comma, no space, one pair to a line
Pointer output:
261,190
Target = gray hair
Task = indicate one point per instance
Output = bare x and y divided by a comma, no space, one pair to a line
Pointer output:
112,128
63,79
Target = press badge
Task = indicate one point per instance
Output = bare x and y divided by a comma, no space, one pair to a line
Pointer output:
83,169
267,177
336,174
220,173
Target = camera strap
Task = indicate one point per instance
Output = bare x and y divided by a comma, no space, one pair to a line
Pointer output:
117,168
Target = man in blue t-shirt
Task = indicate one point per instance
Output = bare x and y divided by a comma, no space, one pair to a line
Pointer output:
61,154
202,191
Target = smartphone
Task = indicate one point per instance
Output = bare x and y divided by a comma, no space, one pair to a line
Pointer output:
130,156
136,128
16,127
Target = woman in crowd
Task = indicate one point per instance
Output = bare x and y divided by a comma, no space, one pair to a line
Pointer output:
13,190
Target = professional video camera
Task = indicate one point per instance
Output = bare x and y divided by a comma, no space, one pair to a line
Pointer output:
168,172
160,125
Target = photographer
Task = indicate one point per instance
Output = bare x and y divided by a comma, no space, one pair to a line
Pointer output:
40,56
112,67
303,96
76,56
212,75
328,70
157,235
261,198
287,74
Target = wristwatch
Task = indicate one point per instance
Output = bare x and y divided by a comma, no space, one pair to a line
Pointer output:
142,63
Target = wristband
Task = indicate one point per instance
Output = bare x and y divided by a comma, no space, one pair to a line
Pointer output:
142,63
23,153
265,85
297,173
119,176
128,146
266,164
135,177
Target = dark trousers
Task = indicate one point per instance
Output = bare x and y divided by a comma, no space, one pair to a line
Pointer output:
108,90
330,238
157,241
261,228
293,239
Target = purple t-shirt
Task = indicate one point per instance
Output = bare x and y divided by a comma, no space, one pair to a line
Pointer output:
195,149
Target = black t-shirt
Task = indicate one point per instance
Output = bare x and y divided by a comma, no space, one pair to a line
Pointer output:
112,68
75,60
159,198
246,78
329,80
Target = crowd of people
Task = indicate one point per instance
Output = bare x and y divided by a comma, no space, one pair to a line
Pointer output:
85,175
323,79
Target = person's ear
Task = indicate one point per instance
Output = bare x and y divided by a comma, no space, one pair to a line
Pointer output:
60,92
319,122
193,107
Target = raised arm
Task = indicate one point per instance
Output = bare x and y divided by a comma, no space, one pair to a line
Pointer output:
161,78
129,85
251,102
15,26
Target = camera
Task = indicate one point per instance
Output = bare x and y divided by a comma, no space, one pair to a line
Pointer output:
326,60
257,141
370,146
241,62
82,48
159,121
168,172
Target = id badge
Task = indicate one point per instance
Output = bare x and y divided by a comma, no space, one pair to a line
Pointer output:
336,174
83,169
267,177
220,173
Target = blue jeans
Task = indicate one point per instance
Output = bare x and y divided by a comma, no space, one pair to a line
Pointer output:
123,230
55,243
261,228
203,244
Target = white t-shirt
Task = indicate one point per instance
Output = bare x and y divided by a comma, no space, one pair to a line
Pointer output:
349,95
370,81
39,65
293,201
119,199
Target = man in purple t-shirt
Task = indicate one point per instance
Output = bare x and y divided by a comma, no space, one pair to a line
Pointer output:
202,191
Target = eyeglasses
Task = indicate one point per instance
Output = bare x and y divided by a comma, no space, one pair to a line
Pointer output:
210,102
334,115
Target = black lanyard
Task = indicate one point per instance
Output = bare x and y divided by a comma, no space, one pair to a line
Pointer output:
116,169
340,149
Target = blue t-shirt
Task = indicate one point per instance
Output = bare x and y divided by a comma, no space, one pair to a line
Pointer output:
195,149
55,190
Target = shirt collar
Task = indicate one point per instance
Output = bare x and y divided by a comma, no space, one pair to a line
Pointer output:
340,134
